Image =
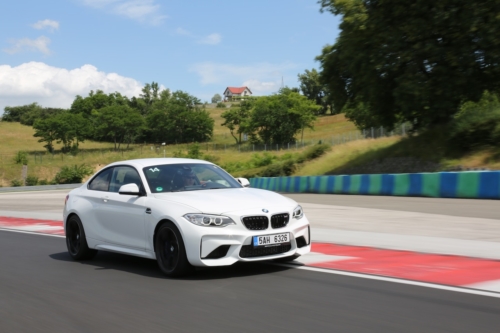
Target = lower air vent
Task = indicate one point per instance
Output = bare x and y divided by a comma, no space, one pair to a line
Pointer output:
280,220
301,241
248,251
219,252
256,222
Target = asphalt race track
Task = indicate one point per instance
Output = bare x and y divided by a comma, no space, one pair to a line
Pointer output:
43,290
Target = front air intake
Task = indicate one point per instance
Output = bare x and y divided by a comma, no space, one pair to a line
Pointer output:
219,252
249,251
301,241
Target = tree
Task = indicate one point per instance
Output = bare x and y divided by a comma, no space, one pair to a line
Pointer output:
118,123
66,128
16,113
216,99
411,61
278,118
179,119
46,130
314,89
95,101
236,119
34,114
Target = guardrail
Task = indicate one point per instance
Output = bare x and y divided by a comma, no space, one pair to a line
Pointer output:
478,185
39,188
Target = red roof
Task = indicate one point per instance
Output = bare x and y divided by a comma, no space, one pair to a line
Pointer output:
237,90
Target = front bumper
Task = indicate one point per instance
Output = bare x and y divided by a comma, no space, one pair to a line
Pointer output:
233,239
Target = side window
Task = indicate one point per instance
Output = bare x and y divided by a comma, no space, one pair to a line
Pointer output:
123,175
101,181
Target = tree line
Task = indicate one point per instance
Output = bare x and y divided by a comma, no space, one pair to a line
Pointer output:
157,115
161,116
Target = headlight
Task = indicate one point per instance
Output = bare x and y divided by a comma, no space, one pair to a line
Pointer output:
298,213
206,220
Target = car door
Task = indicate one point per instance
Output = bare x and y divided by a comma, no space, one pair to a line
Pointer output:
94,195
122,217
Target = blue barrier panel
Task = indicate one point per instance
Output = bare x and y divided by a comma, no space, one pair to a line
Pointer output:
489,185
415,185
387,184
364,187
330,184
346,184
448,184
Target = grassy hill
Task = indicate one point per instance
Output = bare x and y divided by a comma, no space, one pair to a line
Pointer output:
342,158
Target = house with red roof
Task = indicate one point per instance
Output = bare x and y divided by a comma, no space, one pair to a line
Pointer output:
237,92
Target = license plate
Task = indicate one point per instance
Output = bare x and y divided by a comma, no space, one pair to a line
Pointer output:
271,240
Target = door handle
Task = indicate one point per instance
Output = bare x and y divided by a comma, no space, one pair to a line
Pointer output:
105,199
148,210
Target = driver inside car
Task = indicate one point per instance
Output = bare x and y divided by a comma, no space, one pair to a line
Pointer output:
189,178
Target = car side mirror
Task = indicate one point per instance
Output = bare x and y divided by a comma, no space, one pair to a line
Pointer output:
129,189
243,181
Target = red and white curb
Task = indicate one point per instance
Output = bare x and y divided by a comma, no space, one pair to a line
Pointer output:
389,265
47,227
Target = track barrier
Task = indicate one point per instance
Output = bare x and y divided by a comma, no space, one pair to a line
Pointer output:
469,184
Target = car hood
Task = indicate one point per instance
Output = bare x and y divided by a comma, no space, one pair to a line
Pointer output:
222,201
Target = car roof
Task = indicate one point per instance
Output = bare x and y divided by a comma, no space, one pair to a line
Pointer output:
146,162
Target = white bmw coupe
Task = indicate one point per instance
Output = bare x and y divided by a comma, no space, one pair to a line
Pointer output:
183,213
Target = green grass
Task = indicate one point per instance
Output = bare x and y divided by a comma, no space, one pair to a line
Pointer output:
431,146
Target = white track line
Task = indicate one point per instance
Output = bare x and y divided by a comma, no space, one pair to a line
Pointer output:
31,233
395,280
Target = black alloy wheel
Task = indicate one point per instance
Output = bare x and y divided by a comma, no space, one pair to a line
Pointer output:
75,240
170,251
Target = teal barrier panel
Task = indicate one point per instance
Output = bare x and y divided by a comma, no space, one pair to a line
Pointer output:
480,185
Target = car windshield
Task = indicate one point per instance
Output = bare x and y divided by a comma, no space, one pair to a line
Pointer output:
187,177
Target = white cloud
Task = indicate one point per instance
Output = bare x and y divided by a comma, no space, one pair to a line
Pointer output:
41,44
261,78
57,87
183,32
46,24
212,39
144,11
262,87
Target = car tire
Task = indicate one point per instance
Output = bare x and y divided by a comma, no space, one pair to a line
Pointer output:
76,241
170,251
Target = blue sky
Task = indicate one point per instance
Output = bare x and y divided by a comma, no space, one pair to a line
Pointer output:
52,50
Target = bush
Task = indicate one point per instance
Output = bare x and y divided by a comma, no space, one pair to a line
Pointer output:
31,181
16,183
262,160
72,174
221,105
313,152
43,182
477,124
178,153
285,168
211,158
21,157
194,151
